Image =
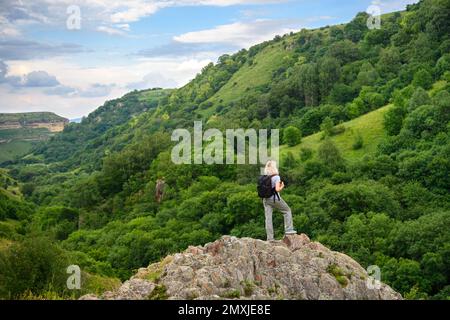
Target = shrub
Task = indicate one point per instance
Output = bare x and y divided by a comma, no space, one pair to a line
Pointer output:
393,120
422,78
330,155
36,265
327,127
292,136
305,154
358,141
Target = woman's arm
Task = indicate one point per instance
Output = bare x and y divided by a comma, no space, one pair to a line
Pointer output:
279,186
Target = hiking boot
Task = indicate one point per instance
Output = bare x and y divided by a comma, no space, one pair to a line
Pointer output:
290,232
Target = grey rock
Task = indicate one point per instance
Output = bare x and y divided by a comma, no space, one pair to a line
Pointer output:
245,268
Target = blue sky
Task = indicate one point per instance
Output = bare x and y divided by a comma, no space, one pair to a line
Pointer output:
136,44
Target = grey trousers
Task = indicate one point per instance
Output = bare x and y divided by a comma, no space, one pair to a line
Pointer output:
282,206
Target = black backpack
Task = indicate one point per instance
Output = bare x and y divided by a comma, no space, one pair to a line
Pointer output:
264,187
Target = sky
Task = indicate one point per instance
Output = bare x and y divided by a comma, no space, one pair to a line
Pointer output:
70,56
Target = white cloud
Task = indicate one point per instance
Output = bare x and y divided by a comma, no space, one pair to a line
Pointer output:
32,99
241,34
153,80
7,29
124,26
135,10
95,13
111,31
84,89
394,5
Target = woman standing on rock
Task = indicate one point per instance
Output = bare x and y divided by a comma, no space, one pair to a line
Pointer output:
269,187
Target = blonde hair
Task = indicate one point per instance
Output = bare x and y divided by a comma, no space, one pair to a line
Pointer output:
271,168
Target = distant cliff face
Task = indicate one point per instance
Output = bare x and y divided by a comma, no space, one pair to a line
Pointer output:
234,268
19,131
32,120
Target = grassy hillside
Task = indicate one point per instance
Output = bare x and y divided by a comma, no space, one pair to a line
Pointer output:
252,77
17,142
14,150
369,126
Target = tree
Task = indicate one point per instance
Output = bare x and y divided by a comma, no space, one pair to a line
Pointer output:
288,161
305,154
327,127
341,201
393,120
330,155
419,98
27,189
292,136
345,51
390,62
341,94
311,120
60,222
377,37
308,83
423,78
329,73
367,75
356,29
36,264
442,65
427,119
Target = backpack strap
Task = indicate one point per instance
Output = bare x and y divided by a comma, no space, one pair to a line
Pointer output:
276,194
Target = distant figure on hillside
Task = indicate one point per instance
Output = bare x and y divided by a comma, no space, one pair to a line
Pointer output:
269,188
159,190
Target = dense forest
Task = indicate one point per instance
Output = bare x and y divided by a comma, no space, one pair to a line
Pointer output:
365,122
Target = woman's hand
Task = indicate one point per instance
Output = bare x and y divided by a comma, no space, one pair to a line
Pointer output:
279,186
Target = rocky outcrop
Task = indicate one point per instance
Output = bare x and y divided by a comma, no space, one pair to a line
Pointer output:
245,268
56,126
32,120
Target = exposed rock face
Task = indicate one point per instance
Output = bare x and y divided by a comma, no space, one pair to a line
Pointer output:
294,268
54,126
32,120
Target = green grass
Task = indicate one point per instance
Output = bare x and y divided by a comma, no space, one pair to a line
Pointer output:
96,284
152,94
18,142
8,229
232,294
4,243
248,287
30,117
335,271
370,127
249,77
23,133
8,151
159,293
